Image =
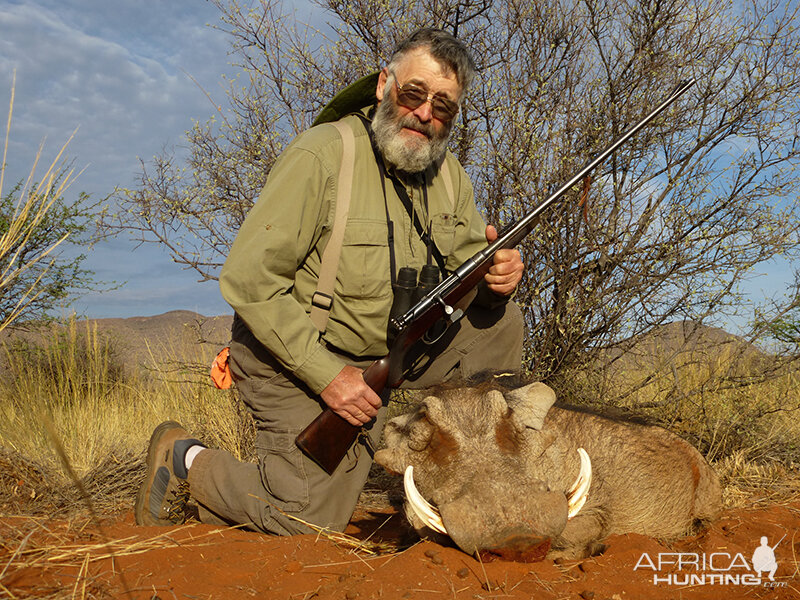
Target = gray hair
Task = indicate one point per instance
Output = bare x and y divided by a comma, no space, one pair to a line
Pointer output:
443,47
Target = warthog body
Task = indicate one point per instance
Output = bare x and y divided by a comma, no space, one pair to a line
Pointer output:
497,464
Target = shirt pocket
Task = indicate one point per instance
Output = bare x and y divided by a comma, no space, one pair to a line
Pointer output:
364,262
443,231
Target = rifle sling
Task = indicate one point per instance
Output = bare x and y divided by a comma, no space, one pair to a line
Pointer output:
322,299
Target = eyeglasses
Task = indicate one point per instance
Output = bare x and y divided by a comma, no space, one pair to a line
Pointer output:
412,96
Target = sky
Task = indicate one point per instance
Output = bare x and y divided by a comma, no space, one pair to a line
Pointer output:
120,71
123,73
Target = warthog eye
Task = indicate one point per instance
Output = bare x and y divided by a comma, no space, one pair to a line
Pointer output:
438,444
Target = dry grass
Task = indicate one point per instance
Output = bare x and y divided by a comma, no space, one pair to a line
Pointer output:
35,200
74,427
343,540
748,483
737,405
100,415
38,545
726,401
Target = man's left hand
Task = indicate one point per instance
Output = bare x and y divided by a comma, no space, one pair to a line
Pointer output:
506,271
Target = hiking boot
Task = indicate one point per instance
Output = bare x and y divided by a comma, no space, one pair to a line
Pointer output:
164,493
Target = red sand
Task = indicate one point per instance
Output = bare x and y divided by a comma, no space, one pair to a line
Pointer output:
204,562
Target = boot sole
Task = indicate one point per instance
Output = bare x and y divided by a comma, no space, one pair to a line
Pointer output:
141,509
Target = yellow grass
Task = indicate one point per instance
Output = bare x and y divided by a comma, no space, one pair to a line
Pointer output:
35,200
739,407
96,410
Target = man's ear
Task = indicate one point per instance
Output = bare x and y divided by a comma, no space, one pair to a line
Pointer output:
381,84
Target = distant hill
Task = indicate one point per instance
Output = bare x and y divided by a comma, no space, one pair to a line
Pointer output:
148,342
179,335
680,341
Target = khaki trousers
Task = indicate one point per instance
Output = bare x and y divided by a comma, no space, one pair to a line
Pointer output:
285,485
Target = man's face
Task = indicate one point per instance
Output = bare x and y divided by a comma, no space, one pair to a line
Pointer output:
413,138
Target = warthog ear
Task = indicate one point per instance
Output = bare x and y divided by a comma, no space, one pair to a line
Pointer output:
530,404
497,403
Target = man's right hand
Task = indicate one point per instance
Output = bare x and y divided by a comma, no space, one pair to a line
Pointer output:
351,398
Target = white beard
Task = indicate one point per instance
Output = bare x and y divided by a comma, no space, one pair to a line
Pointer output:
407,154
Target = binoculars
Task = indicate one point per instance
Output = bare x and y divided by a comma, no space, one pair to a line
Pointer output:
408,291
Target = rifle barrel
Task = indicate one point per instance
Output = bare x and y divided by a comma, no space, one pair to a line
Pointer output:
523,226
327,439
514,234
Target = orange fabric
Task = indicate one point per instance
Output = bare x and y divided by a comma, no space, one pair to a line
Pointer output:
221,371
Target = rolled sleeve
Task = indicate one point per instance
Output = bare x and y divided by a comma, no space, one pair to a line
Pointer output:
258,278
319,368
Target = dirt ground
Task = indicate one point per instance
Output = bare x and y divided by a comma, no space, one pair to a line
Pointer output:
43,558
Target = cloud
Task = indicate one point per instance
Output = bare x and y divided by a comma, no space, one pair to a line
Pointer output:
115,71
119,72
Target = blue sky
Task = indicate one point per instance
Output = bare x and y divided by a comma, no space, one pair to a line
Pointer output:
119,71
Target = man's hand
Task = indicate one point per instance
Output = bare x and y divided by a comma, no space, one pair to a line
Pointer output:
506,271
351,398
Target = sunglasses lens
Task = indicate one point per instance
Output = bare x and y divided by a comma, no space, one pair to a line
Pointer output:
413,97
444,110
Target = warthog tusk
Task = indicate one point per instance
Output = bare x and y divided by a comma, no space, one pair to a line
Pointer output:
576,497
427,513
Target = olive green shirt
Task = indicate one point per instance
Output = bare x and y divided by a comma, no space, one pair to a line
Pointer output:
272,270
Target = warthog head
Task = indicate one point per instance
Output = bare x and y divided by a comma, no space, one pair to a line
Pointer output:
479,468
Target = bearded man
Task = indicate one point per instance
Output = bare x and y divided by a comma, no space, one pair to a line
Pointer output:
410,205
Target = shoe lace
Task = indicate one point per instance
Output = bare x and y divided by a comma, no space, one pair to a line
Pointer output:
176,503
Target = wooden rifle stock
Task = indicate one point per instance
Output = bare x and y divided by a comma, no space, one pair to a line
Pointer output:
327,439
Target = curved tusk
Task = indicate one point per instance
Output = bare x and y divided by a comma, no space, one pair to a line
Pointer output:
576,496
427,513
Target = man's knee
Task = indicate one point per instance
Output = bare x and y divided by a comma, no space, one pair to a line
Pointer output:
499,347
513,324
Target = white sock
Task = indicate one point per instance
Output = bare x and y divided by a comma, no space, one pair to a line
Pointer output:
190,455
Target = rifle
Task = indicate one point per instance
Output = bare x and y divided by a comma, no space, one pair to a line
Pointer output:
327,439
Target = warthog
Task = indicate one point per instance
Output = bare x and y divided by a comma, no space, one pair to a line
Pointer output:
506,473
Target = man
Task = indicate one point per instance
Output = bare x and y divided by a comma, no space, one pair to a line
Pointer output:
410,203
